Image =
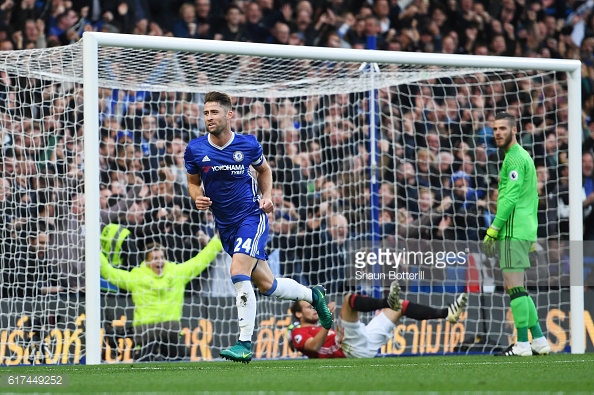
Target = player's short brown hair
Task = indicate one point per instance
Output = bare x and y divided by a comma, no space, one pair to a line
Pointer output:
222,98
296,308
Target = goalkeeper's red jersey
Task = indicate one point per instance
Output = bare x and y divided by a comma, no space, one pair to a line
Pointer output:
330,348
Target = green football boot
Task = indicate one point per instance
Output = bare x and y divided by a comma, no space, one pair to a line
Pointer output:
319,303
240,352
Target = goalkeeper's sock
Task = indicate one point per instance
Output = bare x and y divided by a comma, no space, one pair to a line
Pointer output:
246,306
520,310
533,323
289,289
364,303
421,312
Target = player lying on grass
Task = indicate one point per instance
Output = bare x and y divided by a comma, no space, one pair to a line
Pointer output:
353,339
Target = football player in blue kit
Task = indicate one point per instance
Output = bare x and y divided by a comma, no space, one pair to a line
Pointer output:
220,179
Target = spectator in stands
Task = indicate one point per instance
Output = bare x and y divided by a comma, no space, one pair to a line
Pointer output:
33,34
551,150
279,33
588,193
432,221
425,172
547,207
254,27
207,20
487,209
187,25
123,168
335,247
464,208
233,29
67,244
282,239
7,234
356,34
373,28
62,29
406,188
151,146
303,25
35,273
174,160
477,181
335,143
157,287
310,243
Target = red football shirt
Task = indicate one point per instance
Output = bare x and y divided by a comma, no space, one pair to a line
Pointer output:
330,349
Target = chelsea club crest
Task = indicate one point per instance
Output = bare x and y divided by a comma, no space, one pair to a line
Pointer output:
238,156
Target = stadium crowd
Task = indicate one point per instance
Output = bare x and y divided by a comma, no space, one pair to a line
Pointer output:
438,160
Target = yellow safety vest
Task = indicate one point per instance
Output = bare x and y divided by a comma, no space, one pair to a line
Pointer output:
112,239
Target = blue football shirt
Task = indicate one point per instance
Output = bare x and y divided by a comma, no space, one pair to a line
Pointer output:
226,176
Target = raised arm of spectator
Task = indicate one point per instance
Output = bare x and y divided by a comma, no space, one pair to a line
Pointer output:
193,267
120,278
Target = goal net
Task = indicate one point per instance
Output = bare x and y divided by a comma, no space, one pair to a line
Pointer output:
366,157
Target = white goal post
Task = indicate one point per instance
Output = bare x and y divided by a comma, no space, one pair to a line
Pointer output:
93,41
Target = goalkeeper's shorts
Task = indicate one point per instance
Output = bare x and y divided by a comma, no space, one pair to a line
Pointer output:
248,236
514,255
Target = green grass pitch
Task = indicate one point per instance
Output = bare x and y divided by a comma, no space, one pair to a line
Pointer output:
561,373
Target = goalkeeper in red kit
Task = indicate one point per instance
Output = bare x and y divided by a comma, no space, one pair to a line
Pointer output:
353,339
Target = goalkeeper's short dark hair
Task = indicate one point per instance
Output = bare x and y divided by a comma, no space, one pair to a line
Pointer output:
219,97
511,120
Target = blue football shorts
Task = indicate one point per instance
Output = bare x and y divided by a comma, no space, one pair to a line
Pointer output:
248,236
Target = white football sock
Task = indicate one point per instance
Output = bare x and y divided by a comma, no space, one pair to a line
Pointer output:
246,309
289,289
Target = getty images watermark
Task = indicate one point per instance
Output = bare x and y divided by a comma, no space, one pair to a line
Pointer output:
396,264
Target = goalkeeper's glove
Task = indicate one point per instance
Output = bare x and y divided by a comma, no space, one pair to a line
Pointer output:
533,255
490,242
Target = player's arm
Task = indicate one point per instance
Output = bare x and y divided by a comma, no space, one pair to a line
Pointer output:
264,179
193,267
506,202
195,181
120,278
313,344
196,192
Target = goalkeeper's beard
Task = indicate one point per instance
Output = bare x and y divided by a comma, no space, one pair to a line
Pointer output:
506,142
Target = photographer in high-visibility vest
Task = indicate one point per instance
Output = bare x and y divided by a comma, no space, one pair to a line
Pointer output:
157,287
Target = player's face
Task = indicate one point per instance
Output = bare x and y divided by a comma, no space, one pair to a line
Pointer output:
308,314
216,118
504,134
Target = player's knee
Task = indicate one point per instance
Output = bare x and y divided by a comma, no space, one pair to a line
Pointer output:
264,285
347,300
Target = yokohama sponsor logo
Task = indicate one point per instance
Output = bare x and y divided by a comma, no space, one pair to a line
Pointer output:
228,168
